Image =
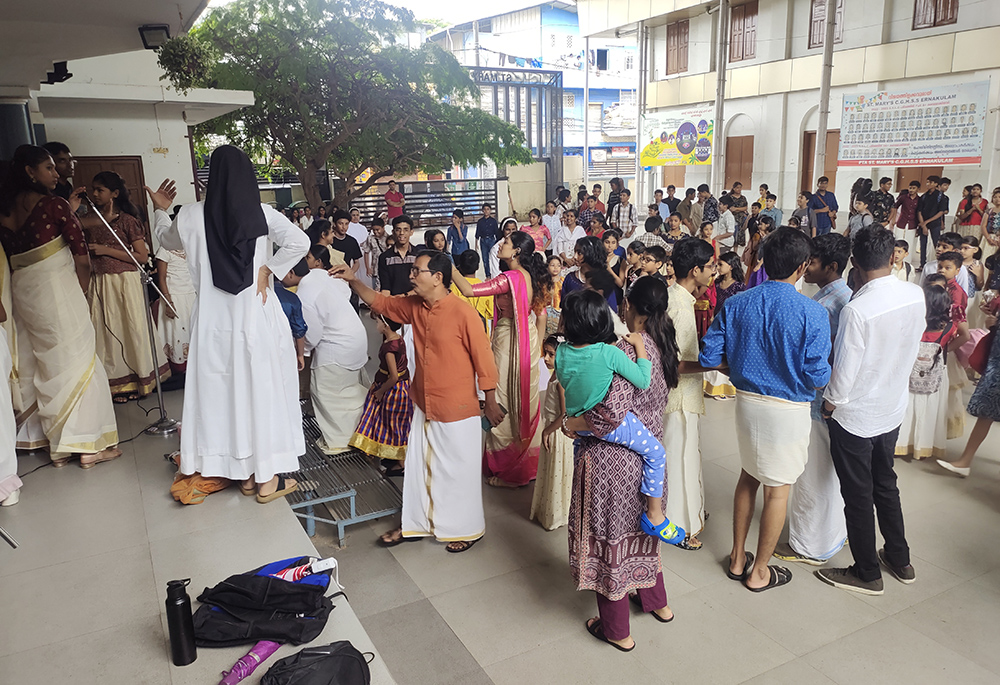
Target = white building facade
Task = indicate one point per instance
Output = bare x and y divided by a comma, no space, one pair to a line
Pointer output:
774,70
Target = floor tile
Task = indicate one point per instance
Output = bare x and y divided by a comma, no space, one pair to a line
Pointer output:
796,672
531,542
514,613
418,646
951,535
801,616
964,619
699,624
96,658
72,513
74,598
891,652
435,571
576,658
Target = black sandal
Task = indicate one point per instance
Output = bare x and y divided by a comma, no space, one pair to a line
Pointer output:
634,598
779,576
393,473
279,492
466,545
747,565
395,541
597,631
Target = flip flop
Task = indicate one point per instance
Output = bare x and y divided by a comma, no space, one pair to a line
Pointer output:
277,494
597,631
779,576
468,545
400,540
248,492
747,565
634,598
109,454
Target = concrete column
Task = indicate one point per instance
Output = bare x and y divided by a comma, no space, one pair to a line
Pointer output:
15,126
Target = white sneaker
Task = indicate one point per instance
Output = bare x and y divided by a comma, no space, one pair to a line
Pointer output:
957,470
12,499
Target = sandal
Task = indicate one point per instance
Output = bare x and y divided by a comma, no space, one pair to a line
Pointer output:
779,576
597,630
109,454
280,492
634,598
120,398
466,545
747,566
394,473
248,492
688,545
395,538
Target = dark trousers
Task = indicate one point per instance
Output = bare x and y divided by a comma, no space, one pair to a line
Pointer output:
935,232
867,478
615,614
486,244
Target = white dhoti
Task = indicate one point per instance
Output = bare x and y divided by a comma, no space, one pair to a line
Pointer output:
411,354
442,486
773,436
338,398
685,491
9,482
816,525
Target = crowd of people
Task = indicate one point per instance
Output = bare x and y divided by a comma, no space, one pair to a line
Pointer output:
625,324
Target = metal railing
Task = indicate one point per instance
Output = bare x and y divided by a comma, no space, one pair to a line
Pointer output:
430,203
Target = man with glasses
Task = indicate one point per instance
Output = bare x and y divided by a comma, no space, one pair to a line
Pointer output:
442,482
694,267
777,345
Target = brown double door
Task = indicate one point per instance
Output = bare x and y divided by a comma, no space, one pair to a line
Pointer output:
905,174
739,161
128,167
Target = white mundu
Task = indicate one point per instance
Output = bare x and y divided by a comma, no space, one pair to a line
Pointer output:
241,399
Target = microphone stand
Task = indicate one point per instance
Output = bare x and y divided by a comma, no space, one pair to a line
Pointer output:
164,425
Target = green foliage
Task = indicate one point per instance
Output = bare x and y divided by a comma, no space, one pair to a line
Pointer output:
332,87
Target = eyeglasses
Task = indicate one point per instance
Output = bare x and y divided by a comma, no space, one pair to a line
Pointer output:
414,271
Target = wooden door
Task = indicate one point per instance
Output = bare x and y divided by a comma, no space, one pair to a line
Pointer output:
906,174
674,176
128,167
809,159
739,161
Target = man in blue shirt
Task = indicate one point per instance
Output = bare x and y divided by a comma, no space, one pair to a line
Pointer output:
823,208
487,231
777,344
816,526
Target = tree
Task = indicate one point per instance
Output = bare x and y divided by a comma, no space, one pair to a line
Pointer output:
332,88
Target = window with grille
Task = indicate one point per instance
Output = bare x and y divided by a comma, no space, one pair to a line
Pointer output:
817,23
928,13
677,47
629,62
569,101
743,32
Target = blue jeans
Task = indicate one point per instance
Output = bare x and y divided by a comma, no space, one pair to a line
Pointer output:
633,434
486,244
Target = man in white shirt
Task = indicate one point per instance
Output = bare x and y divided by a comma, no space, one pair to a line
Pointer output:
338,345
307,218
564,242
877,342
725,228
624,216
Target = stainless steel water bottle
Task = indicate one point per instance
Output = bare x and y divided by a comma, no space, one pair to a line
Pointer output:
180,623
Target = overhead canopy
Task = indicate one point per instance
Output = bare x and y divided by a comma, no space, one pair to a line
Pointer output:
35,34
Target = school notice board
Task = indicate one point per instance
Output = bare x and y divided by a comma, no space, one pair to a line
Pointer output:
919,127
678,137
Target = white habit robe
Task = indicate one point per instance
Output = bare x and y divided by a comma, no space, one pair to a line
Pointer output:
241,399
337,343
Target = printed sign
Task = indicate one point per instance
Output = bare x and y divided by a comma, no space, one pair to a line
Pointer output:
679,137
920,127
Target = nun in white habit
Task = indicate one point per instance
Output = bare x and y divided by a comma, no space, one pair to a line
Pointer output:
241,416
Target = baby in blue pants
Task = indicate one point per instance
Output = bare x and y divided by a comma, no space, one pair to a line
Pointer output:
585,368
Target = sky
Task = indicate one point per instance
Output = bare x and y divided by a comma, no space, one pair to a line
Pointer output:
450,11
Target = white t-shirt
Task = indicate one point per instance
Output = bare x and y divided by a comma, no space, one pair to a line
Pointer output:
305,221
551,222
726,224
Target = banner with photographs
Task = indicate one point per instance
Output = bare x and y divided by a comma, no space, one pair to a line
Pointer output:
927,126
679,137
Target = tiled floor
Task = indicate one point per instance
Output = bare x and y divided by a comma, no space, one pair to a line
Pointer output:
81,600
507,611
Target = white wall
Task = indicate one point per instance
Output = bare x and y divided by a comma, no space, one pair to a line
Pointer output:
102,129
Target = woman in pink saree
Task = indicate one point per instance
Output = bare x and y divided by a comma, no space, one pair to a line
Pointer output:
511,454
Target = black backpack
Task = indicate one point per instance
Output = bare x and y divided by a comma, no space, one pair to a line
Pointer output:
338,663
253,606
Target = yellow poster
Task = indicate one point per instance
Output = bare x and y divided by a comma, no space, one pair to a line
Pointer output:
678,137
